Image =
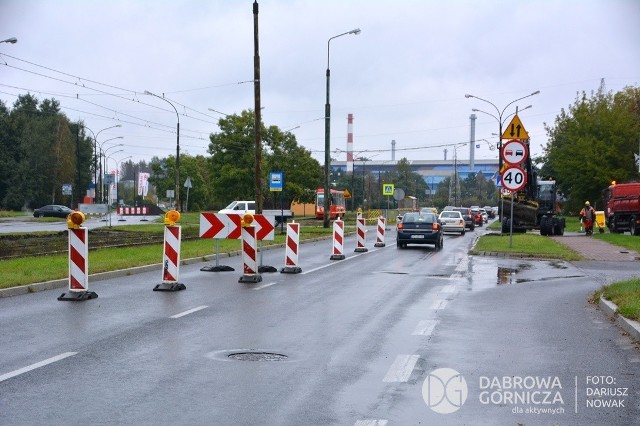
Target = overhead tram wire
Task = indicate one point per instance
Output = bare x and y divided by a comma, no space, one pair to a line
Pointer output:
82,80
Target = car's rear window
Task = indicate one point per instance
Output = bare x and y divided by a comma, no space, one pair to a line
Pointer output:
415,217
450,214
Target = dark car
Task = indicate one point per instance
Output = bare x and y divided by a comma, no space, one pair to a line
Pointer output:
416,228
490,212
477,217
52,211
469,222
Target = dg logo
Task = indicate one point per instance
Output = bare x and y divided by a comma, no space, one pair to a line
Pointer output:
444,390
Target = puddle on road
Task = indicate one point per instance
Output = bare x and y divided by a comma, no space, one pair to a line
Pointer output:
484,274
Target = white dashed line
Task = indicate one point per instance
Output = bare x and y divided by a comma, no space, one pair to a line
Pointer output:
371,422
190,311
401,368
260,287
425,328
36,365
439,304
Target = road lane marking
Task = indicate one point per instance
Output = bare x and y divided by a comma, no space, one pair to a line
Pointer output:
36,365
190,311
335,262
425,328
451,288
439,304
401,368
261,286
371,422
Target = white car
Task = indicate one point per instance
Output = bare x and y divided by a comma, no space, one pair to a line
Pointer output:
485,215
452,221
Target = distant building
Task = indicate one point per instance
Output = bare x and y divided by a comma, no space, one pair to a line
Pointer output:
432,171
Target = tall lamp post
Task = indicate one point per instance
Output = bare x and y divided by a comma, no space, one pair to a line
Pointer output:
146,92
327,133
117,172
500,120
101,162
95,153
106,158
11,40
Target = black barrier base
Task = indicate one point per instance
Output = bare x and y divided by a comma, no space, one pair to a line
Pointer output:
291,270
218,268
250,279
361,250
266,268
77,296
379,245
170,287
337,257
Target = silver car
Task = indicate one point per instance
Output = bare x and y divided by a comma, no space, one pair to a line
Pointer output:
452,221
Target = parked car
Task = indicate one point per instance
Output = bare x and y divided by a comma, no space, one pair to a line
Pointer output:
419,228
52,210
466,215
452,221
477,217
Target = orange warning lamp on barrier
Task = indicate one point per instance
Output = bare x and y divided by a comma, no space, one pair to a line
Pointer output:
247,220
75,219
171,217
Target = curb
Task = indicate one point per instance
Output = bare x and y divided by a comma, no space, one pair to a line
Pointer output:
64,282
611,309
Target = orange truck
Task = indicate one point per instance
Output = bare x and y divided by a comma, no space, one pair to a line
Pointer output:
622,211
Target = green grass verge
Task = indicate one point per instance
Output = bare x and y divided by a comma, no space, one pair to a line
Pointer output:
29,270
626,295
524,244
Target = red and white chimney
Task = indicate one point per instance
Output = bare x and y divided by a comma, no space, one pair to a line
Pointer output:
350,143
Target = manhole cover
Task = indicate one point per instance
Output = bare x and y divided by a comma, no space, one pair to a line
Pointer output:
257,356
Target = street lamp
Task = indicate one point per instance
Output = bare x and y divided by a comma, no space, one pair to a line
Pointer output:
500,119
11,40
101,162
95,153
500,113
103,166
146,92
327,133
117,171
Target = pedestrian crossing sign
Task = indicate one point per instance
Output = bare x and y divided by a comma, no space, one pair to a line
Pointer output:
388,188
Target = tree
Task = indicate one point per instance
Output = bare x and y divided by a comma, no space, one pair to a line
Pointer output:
42,150
592,144
232,165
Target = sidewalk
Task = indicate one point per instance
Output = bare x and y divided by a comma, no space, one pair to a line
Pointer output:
594,249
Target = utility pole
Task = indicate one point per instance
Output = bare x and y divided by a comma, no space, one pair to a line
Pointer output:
258,120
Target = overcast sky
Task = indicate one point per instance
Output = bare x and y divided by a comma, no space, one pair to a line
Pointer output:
404,77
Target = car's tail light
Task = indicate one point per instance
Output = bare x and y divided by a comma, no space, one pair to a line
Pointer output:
400,226
435,226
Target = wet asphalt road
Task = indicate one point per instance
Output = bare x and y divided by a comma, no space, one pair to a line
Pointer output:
344,342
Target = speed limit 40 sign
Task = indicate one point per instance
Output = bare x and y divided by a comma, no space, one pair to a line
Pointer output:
514,179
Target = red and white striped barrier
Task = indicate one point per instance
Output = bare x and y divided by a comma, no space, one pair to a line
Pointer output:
78,266
132,211
171,260
380,232
249,251
361,230
338,240
291,253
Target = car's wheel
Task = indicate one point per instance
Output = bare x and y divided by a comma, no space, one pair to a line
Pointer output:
463,231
